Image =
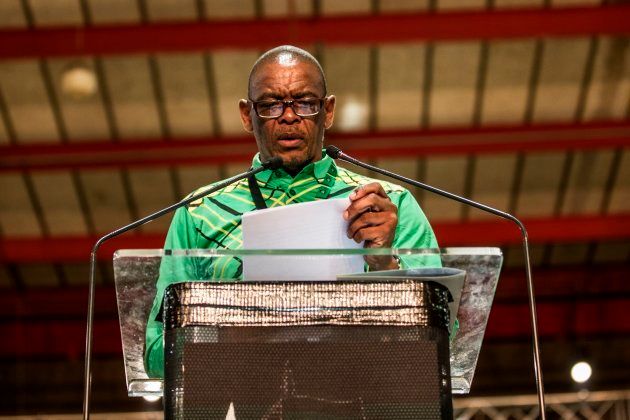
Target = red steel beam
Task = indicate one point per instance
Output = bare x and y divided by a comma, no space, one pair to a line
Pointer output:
50,337
50,322
391,143
552,283
366,29
566,229
569,229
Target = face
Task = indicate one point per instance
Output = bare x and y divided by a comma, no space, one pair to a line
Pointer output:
297,140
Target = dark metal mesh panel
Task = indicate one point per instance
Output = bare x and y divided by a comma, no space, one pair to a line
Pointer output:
318,371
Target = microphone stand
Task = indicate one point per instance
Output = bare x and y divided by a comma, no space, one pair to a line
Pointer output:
273,163
336,153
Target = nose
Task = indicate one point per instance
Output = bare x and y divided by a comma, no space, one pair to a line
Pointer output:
288,115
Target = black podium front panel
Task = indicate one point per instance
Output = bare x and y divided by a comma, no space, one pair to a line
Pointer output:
341,351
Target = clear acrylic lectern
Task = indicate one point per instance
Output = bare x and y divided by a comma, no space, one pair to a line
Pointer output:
347,344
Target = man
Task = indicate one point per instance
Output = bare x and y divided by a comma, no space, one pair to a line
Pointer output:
288,112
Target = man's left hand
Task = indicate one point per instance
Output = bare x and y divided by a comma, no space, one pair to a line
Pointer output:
373,218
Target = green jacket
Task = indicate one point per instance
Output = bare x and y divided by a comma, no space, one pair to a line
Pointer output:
215,222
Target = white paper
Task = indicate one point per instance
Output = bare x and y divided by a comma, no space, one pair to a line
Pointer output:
312,225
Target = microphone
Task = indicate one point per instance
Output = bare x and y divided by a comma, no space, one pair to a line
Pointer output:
336,153
273,163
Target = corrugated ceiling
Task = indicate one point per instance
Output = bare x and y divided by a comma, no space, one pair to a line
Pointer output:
424,87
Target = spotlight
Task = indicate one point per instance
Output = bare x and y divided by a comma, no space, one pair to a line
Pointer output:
581,372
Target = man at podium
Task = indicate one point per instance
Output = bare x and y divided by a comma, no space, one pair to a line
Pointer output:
288,111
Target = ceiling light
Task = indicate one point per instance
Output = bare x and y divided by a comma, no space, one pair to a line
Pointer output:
581,372
353,115
78,82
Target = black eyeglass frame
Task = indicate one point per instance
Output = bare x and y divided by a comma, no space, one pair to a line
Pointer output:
287,103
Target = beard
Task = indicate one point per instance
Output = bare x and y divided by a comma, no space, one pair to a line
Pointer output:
294,165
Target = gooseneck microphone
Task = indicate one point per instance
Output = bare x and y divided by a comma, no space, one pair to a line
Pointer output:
336,153
273,163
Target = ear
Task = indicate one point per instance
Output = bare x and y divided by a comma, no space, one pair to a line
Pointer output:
329,109
245,108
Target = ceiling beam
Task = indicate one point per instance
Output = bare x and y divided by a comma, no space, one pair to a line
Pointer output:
566,229
53,337
364,30
50,322
561,283
96,154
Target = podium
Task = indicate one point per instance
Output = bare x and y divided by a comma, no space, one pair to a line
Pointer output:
362,345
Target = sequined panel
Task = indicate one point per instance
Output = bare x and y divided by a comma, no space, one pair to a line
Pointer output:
266,304
371,350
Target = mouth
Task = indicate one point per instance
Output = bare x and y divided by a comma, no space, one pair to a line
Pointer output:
290,139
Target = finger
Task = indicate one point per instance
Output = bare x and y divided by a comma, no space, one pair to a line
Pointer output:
372,235
377,231
371,202
371,188
386,221
365,220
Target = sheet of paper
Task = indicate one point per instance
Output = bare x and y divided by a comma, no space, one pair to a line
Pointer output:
313,225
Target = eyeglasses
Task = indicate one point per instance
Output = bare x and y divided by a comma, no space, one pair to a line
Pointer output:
306,107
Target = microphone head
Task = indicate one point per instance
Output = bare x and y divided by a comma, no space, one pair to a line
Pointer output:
333,151
273,163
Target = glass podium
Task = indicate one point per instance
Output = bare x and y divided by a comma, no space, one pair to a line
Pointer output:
311,290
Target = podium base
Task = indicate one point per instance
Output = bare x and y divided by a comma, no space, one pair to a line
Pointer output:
308,372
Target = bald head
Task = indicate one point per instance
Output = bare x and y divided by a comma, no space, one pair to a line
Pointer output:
286,55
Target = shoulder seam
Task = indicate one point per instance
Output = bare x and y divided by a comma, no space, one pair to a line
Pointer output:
355,179
225,189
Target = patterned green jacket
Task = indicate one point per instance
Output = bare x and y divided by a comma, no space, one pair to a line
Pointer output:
215,222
